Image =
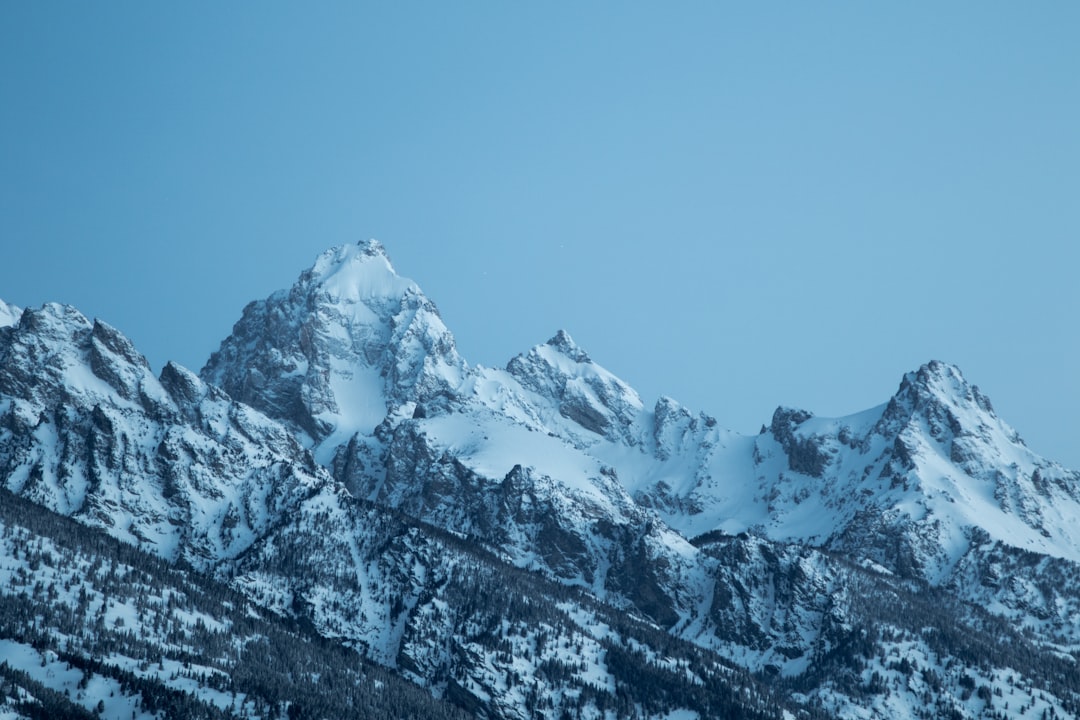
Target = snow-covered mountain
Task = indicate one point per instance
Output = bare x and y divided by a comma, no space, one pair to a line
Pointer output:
358,362
527,541
175,466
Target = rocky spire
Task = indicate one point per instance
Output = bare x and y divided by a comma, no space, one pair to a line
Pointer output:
348,343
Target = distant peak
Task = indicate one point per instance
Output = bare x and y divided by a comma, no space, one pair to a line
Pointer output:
938,398
942,380
566,345
562,339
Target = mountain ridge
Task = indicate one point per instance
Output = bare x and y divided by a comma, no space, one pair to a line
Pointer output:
340,463
877,485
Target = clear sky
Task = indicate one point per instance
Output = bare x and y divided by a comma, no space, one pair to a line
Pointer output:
737,205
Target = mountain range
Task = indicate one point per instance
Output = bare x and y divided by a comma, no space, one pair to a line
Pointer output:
535,541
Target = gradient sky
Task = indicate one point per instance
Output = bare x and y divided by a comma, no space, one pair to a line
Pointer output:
739,206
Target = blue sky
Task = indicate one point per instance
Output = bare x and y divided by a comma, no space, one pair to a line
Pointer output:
739,206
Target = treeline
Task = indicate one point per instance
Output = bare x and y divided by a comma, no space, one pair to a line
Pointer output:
964,638
473,618
69,577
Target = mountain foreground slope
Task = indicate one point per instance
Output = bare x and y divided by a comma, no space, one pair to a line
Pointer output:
537,541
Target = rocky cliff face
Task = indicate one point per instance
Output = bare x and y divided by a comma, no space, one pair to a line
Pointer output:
172,463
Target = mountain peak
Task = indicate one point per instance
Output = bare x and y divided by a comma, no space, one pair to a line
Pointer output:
939,398
566,345
349,342
54,320
936,382
937,372
355,273
586,393
336,258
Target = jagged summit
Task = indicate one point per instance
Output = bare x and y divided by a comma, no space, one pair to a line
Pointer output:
566,345
936,395
933,404
585,392
333,259
940,381
349,344
937,400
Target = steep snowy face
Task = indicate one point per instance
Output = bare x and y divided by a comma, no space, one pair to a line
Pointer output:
349,344
87,430
565,377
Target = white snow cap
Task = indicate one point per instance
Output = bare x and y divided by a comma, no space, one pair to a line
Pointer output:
333,260
9,314
357,272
